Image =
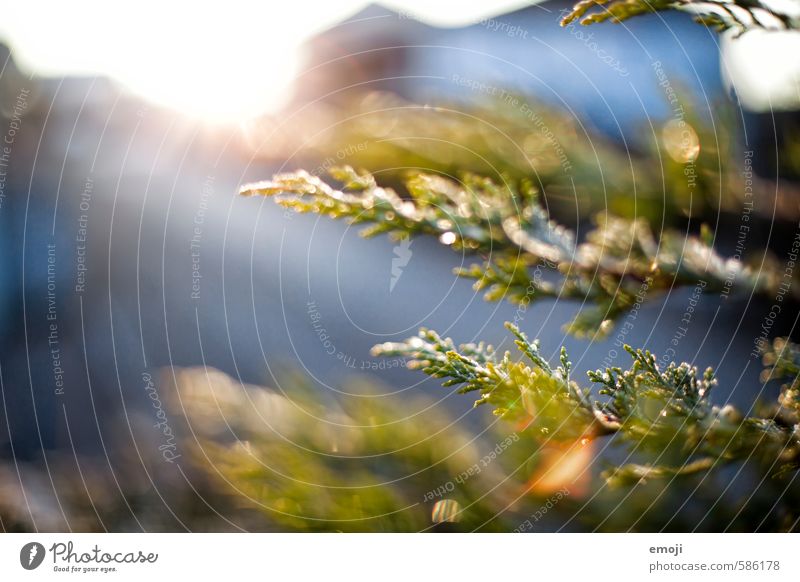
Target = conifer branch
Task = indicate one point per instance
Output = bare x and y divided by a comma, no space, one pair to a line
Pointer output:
618,264
665,413
782,361
721,15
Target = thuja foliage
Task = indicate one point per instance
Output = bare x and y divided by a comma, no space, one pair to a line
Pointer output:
365,463
782,359
512,136
508,228
664,413
738,15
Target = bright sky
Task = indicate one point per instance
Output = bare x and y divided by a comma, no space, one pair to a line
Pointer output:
227,61
764,68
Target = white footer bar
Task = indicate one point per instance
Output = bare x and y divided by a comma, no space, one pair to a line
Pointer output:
407,557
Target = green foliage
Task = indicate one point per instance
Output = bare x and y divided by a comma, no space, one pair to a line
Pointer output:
495,211
668,414
738,15
477,216
619,264
513,137
782,359
665,414
367,463
515,390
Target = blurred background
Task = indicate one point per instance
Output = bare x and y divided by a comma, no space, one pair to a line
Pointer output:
133,273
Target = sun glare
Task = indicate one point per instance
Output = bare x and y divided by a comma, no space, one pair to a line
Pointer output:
223,62
222,80
204,61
